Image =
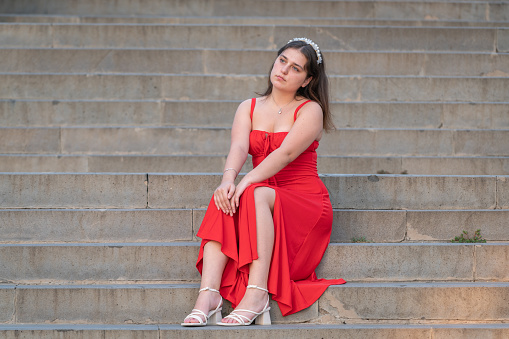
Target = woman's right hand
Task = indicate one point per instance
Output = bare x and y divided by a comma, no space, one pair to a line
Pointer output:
223,195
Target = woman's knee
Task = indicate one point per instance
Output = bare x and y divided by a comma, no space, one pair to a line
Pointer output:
265,196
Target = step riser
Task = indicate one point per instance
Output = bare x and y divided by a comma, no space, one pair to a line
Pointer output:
179,191
357,262
152,225
281,21
159,304
220,114
181,225
181,87
369,9
252,37
190,141
254,332
214,164
245,62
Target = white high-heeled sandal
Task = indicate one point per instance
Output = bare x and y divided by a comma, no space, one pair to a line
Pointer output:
214,316
260,318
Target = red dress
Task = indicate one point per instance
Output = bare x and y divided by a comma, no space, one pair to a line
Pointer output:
302,228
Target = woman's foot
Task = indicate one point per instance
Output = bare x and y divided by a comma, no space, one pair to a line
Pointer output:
206,302
254,300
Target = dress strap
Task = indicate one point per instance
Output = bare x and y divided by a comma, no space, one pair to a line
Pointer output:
253,103
297,110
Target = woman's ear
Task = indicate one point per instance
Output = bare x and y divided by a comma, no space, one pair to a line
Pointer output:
306,82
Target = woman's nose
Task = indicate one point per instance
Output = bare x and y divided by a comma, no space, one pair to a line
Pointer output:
285,69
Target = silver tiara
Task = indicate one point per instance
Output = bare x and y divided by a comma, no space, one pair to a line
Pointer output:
312,44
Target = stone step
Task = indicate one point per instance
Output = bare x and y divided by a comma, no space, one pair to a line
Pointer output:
169,225
423,10
198,61
300,331
441,165
421,115
93,190
466,302
216,141
268,37
126,262
247,20
232,87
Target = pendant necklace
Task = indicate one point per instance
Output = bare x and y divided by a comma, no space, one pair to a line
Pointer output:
281,108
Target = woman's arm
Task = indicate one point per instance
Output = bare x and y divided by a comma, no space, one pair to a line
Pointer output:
237,156
306,129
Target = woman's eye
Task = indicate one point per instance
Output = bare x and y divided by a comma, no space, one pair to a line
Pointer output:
295,69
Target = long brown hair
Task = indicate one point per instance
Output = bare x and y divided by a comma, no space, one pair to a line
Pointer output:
318,88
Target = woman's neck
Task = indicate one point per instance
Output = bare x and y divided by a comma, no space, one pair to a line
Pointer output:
282,98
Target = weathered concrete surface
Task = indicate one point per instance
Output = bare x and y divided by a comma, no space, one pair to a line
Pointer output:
410,192
398,262
446,225
457,165
492,262
98,262
92,225
198,61
487,142
119,304
54,113
176,141
301,331
377,226
176,262
503,40
216,141
232,87
40,140
158,113
7,297
73,191
381,10
503,192
417,301
45,331
247,37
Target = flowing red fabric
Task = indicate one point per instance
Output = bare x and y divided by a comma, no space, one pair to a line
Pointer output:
302,228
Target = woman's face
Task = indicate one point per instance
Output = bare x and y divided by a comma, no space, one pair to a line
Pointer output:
288,71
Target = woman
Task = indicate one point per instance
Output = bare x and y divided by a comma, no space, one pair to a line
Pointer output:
268,233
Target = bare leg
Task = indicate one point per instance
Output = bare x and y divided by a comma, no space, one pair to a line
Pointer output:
214,262
255,299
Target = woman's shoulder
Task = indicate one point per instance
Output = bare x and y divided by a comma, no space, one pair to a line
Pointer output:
307,105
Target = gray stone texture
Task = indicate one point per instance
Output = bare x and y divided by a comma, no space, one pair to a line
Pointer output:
446,225
376,226
196,61
433,262
417,301
492,262
410,192
40,140
503,192
92,225
232,87
7,300
73,190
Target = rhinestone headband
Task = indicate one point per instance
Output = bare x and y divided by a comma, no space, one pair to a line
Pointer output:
312,44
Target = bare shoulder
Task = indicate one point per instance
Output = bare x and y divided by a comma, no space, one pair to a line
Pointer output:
244,106
311,110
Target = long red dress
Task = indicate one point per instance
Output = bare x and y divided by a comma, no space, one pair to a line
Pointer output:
302,229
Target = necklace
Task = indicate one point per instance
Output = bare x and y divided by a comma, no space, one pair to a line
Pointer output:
281,108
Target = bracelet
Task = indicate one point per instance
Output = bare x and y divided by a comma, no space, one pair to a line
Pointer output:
233,169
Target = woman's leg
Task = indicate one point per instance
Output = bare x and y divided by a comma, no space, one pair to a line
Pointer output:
255,299
214,262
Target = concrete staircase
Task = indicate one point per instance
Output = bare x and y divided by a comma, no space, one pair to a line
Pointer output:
115,127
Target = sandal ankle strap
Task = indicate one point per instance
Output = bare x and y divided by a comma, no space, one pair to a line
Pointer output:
257,287
208,289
